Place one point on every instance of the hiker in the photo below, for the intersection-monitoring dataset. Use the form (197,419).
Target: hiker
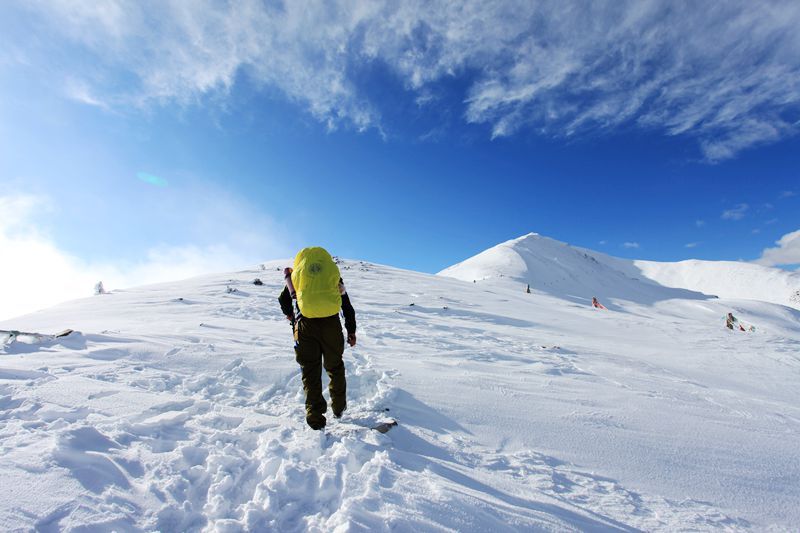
(731,322)
(311,300)
(528,288)
(596,304)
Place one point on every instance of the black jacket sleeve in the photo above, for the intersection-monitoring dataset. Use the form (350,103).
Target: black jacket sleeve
(285,299)
(349,314)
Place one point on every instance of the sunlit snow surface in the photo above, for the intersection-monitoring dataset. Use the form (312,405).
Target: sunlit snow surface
(179,407)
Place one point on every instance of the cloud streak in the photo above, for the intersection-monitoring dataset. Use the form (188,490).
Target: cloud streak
(735,213)
(724,74)
(787,251)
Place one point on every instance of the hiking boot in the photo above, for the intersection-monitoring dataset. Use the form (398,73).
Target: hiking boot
(338,414)
(316,423)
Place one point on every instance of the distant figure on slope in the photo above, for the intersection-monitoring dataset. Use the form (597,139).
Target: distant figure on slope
(528,288)
(596,304)
(731,322)
(311,300)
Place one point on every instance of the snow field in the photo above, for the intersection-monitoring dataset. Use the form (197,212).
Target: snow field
(178,407)
(176,445)
(558,269)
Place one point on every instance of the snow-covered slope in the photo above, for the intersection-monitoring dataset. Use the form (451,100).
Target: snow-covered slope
(555,268)
(178,407)
(577,273)
(726,279)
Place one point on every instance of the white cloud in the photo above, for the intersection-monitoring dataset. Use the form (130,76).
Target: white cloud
(787,251)
(16,210)
(630,245)
(33,272)
(692,244)
(787,194)
(36,273)
(80,91)
(725,74)
(699,223)
(735,213)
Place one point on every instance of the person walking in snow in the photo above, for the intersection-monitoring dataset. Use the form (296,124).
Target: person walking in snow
(731,322)
(311,300)
(596,304)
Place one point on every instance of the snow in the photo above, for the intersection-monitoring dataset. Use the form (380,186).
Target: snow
(566,271)
(178,407)
(727,279)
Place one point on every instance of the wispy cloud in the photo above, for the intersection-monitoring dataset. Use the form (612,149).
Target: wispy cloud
(699,223)
(736,213)
(31,255)
(630,245)
(82,92)
(787,251)
(727,75)
(787,194)
(692,245)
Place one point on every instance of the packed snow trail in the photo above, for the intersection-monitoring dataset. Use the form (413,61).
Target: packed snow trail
(179,407)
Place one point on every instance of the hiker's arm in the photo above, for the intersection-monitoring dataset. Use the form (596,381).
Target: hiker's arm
(285,300)
(349,315)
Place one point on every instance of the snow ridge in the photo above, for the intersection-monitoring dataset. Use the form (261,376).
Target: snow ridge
(565,271)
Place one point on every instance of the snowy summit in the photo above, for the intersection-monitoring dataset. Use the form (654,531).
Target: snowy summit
(556,268)
(179,407)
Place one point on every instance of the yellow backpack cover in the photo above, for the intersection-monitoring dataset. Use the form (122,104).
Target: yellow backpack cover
(316,283)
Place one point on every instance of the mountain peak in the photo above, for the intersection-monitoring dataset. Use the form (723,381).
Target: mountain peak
(565,271)
(558,269)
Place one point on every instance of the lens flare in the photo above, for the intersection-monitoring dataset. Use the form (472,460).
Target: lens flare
(152,180)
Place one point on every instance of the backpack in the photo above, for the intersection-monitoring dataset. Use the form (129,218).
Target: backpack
(316,282)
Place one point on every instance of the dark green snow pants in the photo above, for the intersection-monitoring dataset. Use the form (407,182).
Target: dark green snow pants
(319,342)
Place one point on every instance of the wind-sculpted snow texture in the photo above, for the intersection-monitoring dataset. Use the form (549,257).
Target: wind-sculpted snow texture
(178,407)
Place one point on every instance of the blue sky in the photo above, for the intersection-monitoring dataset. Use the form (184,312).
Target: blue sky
(143,141)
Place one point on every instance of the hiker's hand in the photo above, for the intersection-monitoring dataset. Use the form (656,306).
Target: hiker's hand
(290,318)
(351,339)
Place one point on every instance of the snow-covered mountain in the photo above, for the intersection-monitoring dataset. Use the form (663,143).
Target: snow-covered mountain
(178,407)
(559,269)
